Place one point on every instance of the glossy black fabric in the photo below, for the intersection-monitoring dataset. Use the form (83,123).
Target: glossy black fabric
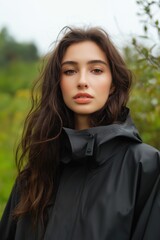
(109,189)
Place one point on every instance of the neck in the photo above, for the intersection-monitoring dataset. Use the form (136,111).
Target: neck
(81,122)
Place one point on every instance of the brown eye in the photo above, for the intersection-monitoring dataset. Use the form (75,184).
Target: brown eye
(97,71)
(69,72)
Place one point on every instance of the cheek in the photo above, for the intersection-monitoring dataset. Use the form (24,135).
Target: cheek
(104,87)
(65,87)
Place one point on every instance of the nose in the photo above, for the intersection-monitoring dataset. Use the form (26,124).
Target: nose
(82,81)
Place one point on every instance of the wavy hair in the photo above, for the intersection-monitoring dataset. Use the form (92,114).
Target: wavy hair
(37,155)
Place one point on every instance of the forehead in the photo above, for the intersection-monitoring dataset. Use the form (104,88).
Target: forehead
(87,50)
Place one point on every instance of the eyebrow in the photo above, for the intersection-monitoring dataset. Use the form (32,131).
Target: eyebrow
(89,62)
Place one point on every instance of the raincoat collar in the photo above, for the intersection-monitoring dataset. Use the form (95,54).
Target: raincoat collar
(98,143)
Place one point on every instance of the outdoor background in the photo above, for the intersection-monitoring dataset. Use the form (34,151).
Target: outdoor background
(26,33)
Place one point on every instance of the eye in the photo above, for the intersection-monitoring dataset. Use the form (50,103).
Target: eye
(69,72)
(97,71)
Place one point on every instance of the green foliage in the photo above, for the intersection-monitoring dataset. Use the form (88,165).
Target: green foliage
(145,63)
(11,50)
(149,12)
(14,106)
(18,69)
(17,75)
(145,97)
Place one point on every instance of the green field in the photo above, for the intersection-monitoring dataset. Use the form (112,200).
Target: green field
(15,83)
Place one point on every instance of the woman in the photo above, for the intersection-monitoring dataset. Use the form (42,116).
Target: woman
(84,172)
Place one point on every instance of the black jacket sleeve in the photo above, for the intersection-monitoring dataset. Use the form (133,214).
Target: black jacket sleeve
(147,209)
(7,223)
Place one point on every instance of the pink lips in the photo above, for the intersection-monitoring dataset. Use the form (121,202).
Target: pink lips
(83,98)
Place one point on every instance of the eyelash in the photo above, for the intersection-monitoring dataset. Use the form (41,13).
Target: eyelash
(97,71)
(70,72)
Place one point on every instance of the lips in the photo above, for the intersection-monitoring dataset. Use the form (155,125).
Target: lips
(82,98)
(82,95)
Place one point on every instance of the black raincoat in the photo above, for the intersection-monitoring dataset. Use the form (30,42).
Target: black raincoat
(109,189)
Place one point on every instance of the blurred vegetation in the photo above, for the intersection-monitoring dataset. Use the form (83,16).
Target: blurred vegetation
(18,69)
(19,63)
(144,60)
(148,13)
(11,50)
(145,97)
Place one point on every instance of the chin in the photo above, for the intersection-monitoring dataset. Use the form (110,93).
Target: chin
(87,112)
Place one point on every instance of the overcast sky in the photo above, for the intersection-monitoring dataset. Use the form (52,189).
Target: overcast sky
(41,20)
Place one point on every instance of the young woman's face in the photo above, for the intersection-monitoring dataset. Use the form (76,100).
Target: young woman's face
(85,78)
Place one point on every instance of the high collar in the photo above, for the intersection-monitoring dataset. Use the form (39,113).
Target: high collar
(98,143)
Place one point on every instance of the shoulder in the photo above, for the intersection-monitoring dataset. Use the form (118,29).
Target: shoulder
(13,198)
(145,155)
(8,223)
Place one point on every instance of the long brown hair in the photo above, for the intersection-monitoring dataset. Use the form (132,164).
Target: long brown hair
(38,153)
